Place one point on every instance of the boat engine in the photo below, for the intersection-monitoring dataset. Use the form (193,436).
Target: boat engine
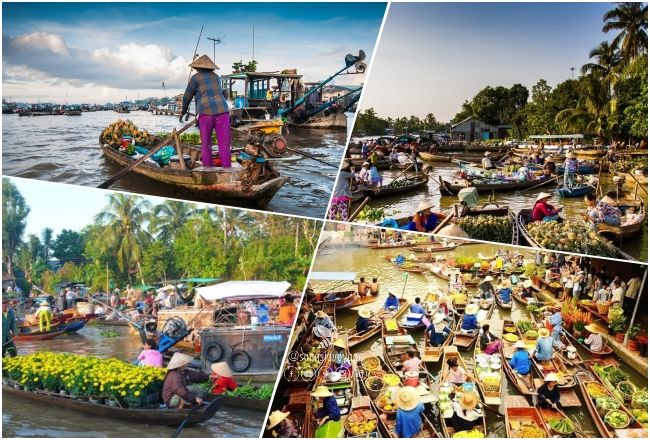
(173,331)
(275,144)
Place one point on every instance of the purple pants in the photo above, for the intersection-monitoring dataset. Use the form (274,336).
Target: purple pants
(221,125)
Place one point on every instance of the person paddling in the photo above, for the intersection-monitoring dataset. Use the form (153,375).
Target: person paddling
(211,109)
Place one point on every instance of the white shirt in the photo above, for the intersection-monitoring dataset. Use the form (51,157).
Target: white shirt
(469,415)
(617,294)
(633,287)
(486,162)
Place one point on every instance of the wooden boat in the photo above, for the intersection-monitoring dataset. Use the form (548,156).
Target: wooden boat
(507,350)
(405,185)
(518,414)
(376,323)
(394,245)
(434,247)
(442,271)
(448,430)
(579,190)
(347,299)
(208,184)
(605,430)
(301,412)
(295,376)
(491,394)
(432,353)
(606,352)
(555,365)
(448,187)
(625,203)
(501,304)
(246,403)
(410,267)
(524,217)
(465,341)
(549,414)
(155,416)
(38,335)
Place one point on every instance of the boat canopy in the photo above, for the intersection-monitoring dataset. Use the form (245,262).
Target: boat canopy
(243,290)
(332,276)
(557,136)
(199,280)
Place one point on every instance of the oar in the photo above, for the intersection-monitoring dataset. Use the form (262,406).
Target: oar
(637,182)
(124,171)
(313,157)
(360,208)
(546,182)
(443,222)
(187,419)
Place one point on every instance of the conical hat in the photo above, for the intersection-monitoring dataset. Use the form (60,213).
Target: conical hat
(277,417)
(321,391)
(179,360)
(543,195)
(365,313)
(468,400)
(204,62)
(453,231)
(423,206)
(222,369)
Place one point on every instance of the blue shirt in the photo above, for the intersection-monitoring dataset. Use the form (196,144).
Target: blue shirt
(362,324)
(505,295)
(544,349)
(520,362)
(556,321)
(436,339)
(391,301)
(329,409)
(469,322)
(409,423)
(417,308)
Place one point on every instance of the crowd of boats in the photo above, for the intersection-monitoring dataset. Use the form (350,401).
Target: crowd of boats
(334,387)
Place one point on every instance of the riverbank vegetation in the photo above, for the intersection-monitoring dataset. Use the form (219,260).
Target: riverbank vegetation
(134,241)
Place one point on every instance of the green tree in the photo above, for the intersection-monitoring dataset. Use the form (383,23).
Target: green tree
(168,217)
(14,222)
(630,19)
(607,57)
(369,124)
(46,239)
(157,261)
(631,91)
(68,246)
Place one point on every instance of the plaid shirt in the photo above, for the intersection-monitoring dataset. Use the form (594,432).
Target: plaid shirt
(206,87)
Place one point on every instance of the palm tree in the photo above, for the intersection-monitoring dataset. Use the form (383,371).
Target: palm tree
(607,57)
(169,217)
(631,19)
(592,114)
(124,220)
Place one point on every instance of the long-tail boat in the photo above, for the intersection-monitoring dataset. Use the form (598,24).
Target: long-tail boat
(376,322)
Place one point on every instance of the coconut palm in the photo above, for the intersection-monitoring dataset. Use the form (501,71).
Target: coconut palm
(125,219)
(594,110)
(169,217)
(631,20)
(607,57)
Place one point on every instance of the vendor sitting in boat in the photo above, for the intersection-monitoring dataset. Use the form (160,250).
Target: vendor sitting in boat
(549,167)
(424,220)
(408,420)
(549,393)
(329,411)
(391,303)
(544,211)
(438,331)
(489,343)
(521,364)
(323,320)
(595,340)
(280,426)
(504,292)
(545,345)
(455,374)
(342,363)
(416,307)
(175,393)
(222,379)
(470,323)
(526,290)
(600,211)
(363,321)
(486,163)
(211,110)
(287,312)
(362,286)
(412,362)
(467,411)
(486,289)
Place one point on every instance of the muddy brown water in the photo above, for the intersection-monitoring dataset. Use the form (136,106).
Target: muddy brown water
(368,262)
(65,149)
(23,418)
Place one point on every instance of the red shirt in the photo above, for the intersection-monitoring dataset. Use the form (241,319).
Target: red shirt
(542,210)
(221,384)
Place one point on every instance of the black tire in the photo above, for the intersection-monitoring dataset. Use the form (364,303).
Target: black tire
(239,361)
(213,352)
(277,360)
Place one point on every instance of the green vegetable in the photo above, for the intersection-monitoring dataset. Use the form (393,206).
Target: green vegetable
(252,392)
(563,426)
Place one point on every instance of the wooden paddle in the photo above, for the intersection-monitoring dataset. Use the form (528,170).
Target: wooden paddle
(443,223)
(187,419)
(124,171)
(359,208)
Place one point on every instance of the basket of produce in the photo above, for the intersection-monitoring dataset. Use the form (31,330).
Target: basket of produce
(376,373)
(374,385)
(510,337)
(562,426)
(385,402)
(391,380)
(361,422)
(596,390)
(509,329)
(371,363)
(391,325)
(531,334)
(641,416)
(606,404)
(474,433)
(602,307)
(524,429)
(627,390)
(640,399)
(617,419)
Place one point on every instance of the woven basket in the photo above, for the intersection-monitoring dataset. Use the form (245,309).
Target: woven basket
(626,397)
(492,390)
(372,393)
(602,308)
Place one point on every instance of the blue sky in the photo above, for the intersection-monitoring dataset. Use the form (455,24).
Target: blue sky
(432,57)
(108,50)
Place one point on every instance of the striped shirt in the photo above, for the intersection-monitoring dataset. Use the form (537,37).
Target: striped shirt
(205,86)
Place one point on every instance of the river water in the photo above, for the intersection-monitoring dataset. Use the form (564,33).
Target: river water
(406,203)
(368,262)
(22,418)
(65,149)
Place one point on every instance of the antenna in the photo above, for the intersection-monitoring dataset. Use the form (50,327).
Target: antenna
(572,69)
(215,41)
(253,43)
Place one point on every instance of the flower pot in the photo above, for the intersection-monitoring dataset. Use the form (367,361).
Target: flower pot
(632,344)
(620,336)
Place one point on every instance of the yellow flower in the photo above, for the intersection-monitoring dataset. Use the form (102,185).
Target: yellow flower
(123,393)
(136,394)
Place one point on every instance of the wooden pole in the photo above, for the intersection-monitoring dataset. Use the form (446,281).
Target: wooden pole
(358,210)
(181,159)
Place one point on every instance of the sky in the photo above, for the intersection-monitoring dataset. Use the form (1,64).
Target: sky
(108,52)
(433,57)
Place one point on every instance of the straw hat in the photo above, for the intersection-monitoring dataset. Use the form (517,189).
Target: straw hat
(542,196)
(45,304)
(468,400)
(488,278)
(471,309)
(322,391)
(487,153)
(551,377)
(276,417)
(544,333)
(339,343)
(423,206)
(528,284)
(438,318)
(204,62)
(411,374)
(570,155)
(407,398)
(222,369)
(453,231)
(365,313)
(520,344)
(592,328)
(321,314)
(179,360)
(548,159)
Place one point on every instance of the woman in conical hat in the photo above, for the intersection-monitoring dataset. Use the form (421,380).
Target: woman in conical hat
(222,379)
(176,393)
(544,211)
(211,110)
(424,219)
(280,426)
(330,409)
